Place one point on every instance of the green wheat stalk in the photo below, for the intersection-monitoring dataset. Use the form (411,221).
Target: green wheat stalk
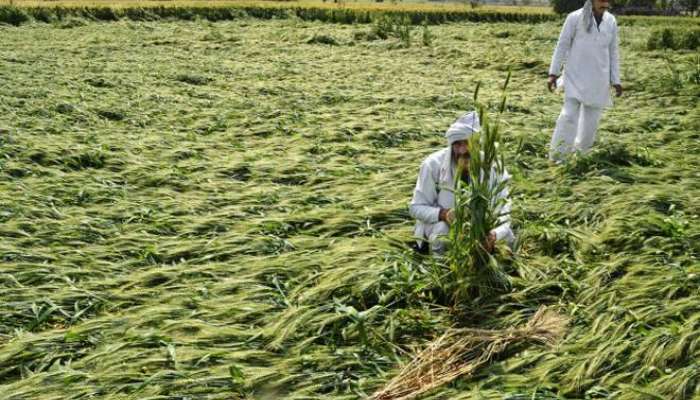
(475,273)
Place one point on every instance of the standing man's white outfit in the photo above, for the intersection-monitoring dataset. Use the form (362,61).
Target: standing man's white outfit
(433,197)
(589,45)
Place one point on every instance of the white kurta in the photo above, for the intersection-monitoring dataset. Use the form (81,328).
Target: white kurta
(433,191)
(592,59)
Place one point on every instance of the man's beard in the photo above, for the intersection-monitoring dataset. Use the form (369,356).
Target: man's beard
(463,166)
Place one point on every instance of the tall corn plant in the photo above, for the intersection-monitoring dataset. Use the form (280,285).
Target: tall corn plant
(475,272)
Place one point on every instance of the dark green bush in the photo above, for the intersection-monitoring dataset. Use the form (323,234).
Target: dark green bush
(104,14)
(323,39)
(13,15)
(689,39)
(43,15)
(193,79)
(566,6)
(670,38)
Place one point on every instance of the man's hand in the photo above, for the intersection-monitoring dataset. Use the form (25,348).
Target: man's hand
(618,90)
(490,243)
(552,82)
(447,215)
(450,216)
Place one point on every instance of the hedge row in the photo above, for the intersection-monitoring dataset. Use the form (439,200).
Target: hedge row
(19,15)
(344,15)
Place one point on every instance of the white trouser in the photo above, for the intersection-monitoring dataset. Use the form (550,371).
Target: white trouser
(575,130)
(437,237)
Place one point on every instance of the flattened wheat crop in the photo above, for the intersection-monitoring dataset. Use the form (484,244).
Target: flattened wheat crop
(205,210)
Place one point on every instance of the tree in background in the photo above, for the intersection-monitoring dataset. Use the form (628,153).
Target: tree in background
(641,7)
(691,6)
(566,6)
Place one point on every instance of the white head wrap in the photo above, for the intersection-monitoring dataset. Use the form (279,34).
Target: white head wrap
(463,128)
(588,15)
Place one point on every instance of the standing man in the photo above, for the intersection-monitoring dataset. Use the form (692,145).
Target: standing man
(589,44)
(433,197)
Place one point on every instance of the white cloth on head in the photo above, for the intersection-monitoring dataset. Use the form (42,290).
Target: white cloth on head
(463,128)
(592,59)
(434,190)
(588,15)
(575,130)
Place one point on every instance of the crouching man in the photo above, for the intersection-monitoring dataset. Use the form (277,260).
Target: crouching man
(433,198)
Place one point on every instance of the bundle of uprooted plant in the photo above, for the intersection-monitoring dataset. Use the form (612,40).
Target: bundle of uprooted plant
(479,208)
(462,351)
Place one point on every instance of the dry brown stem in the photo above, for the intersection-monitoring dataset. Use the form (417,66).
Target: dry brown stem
(462,351)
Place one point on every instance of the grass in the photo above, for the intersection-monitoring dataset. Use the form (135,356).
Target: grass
(219,210)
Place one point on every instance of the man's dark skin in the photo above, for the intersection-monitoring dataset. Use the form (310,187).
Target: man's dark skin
(461,155)
(599,7)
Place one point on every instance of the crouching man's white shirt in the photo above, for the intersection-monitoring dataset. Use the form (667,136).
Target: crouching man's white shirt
(592,59)
(434,191)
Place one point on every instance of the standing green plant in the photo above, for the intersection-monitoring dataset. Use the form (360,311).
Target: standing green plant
(388,25)
(474,271)
(403,29)
(427,35)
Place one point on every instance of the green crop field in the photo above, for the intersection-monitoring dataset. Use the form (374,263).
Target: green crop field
(218,210)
